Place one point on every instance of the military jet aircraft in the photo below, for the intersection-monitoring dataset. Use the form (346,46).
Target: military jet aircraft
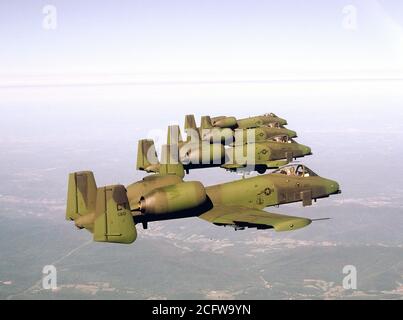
(270,154)
(208,132)
(197,154)
(112,212)
(189,154)
(245,123)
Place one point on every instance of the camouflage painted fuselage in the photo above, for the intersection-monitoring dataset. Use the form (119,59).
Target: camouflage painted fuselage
(258,121)
(270,190)
(264,133)
(111,212)
(259,134)
(266,154)
(257,193)
(251,122)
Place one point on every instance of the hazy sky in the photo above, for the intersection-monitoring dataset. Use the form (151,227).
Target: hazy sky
(129,42)
(207,40)
(79,96)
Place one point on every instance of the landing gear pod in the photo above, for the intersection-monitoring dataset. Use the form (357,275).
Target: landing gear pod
(113,218)
(174,198)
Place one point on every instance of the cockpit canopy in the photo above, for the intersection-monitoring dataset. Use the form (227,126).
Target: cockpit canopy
(296,170)
(271,114)
(274,125)
(282,139)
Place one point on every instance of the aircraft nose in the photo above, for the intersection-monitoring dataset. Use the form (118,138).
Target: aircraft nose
(333,187)
(306,150)
(292,134)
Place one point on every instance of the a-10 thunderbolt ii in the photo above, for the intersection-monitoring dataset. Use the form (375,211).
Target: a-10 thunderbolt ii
(226,135)
(112,212)
(245,123)
(195,153)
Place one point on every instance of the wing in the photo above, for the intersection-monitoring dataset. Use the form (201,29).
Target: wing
(242,217)
(232,166)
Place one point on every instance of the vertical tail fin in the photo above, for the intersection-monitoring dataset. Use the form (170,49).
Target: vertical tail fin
(174,135)
(81,195)
(191,129)
(170,163)
(206,123)
(103,211)
(113,219)
(147,158)
(190,122)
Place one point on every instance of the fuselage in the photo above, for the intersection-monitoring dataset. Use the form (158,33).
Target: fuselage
(266,151)
(245,123)
(270,190)
(259,121)
(257,192)
(258,134)
(262,153)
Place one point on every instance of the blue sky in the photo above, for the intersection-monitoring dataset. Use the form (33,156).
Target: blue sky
(202,40)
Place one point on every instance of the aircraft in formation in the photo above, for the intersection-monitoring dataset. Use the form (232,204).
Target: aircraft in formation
(269,147)
(112,212)
(246,123)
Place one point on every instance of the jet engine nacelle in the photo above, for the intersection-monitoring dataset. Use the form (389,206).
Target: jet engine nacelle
(202,153)
(224,122)
(174,198)
(218,135)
